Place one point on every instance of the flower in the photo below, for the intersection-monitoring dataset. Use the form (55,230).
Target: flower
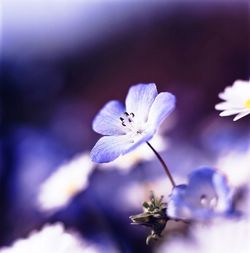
(51,238)
(228,236)
(65,183)
(205,196)
(125,128)
(141,153)
(237,100)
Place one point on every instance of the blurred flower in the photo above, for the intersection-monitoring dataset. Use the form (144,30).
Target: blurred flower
(141,153)
(236,166)
(127,128)
(228,236)
(65,183)
(51,238)
(237,100)
(205,196)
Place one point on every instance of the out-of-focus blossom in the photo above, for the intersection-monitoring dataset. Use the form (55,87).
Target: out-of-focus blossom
(128,127)
(237,100)
(141,153)
(205,196)
(228,236)
(51,239)
(236,166)
(65,183)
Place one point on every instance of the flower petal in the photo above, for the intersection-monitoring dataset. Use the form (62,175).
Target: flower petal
(139,100)
(241,115)
(223,106)
(163,105)
(108,148)
(223,192)
(177,207)
(230,112)
(200,185)
(107,121)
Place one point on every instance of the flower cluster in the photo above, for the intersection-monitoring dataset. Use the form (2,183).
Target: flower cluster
(207,195)
(133,127)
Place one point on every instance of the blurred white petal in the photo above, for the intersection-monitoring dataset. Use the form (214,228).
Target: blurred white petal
(229,236)
(51,239)
(68,180)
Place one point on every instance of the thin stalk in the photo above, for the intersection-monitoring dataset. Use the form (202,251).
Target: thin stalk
(164,165)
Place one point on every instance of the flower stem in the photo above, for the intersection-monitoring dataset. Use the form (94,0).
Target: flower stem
(164,165)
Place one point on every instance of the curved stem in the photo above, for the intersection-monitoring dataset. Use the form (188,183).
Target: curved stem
(164,165)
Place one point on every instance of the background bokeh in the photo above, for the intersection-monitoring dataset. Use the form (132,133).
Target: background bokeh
(62,60)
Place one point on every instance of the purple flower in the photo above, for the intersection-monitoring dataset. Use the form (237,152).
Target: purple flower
(126,127)
(205,196)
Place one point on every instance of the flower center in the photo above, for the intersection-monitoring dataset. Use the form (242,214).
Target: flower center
(247,104)
(128,122)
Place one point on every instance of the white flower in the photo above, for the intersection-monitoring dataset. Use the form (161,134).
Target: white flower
(141,153)
(51,239)
(65,183)
(237,100)
(227,236)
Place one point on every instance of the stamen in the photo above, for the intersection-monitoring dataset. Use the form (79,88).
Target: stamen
(127,122)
